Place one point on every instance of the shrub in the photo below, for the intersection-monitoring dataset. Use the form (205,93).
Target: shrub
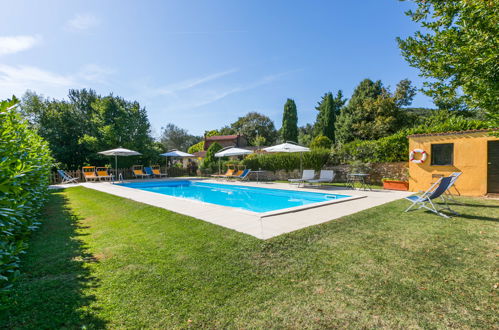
(196,147)
(24,174)
(321,142)
(210,162)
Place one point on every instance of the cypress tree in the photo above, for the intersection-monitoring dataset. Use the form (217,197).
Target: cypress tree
(329,107)
(289,131)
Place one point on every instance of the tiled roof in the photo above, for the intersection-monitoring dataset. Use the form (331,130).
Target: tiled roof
(454,133)
(201,154)
(221,137)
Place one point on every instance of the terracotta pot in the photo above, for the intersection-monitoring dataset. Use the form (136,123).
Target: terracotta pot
(395,185)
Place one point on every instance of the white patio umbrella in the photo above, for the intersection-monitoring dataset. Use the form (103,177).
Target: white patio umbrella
(119,152)
(231,151)
(289,147)
(176,153)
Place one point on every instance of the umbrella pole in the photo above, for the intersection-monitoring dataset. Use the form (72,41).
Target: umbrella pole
(301,163)
(219,168)
(115,167)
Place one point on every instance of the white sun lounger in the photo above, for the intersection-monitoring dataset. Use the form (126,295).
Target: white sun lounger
(325,176)
(307,175)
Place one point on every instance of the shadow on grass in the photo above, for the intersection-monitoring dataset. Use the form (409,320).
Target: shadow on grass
(51,292)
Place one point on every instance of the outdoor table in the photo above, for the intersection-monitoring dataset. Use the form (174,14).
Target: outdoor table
(360,178)
(258,174)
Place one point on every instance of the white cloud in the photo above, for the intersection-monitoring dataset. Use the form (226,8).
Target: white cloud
(198,97)
(15,80)
(11,45)
(190,83)
(95,73)
(82,22)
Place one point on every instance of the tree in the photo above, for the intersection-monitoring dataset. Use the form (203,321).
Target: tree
(404,93)
(210,160)
(305,135)
(259,141)
(77,129)
(329,107)
(289,130)
(174,137)
(372,112)
(458,50)
(321,142)
(255,124)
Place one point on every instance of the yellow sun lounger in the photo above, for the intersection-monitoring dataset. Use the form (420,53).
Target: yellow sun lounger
(89,173)
(230,172)
(103,174)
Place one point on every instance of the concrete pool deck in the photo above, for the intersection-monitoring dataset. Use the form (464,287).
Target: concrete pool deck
(249,222)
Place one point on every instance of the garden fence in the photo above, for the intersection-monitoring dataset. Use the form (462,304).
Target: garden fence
(125,172)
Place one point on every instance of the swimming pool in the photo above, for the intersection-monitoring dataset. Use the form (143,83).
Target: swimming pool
(253,199)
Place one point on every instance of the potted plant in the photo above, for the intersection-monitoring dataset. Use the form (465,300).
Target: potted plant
(394,184)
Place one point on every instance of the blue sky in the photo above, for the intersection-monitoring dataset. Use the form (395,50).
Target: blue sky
(202,64)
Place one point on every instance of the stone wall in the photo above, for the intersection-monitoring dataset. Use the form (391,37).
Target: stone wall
(378,171)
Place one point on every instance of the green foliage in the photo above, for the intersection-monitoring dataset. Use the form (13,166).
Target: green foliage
(305,135)
(88,123)
(395,147)
(174,137)
(329,107)
(289,130)
(210,161)
(255,124)
(196,147)
(321,142)
(373,112)
(458,50)
(315,159)
(24,173)
(259,141)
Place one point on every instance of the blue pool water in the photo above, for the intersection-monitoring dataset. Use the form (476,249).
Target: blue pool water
(242,197)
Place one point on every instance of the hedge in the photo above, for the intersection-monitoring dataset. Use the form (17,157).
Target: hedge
(395,148)
(314,159)
(24,173)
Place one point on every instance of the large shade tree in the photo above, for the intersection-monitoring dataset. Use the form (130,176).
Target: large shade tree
(373,111)
(254,125)
(458,51)
(174,137)
(77,129)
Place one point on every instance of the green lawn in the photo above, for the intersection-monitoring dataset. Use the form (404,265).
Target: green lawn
(103,261)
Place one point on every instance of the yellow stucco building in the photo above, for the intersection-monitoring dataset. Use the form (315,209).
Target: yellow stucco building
(474,153)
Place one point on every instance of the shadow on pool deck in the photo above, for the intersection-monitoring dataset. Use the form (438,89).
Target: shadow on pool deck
(50,292)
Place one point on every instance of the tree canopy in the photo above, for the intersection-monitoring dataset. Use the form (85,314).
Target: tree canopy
(255,124)
(174,137)
(458,50)
(373,111)
(88,123)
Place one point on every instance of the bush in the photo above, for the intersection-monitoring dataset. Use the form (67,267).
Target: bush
(315,159)
(321,142)
(210,163)
(24,176)
(196,147)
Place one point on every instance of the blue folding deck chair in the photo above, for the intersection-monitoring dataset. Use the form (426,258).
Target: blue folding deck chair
(66,178)
(244,176)
(448,195)
(435,191)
